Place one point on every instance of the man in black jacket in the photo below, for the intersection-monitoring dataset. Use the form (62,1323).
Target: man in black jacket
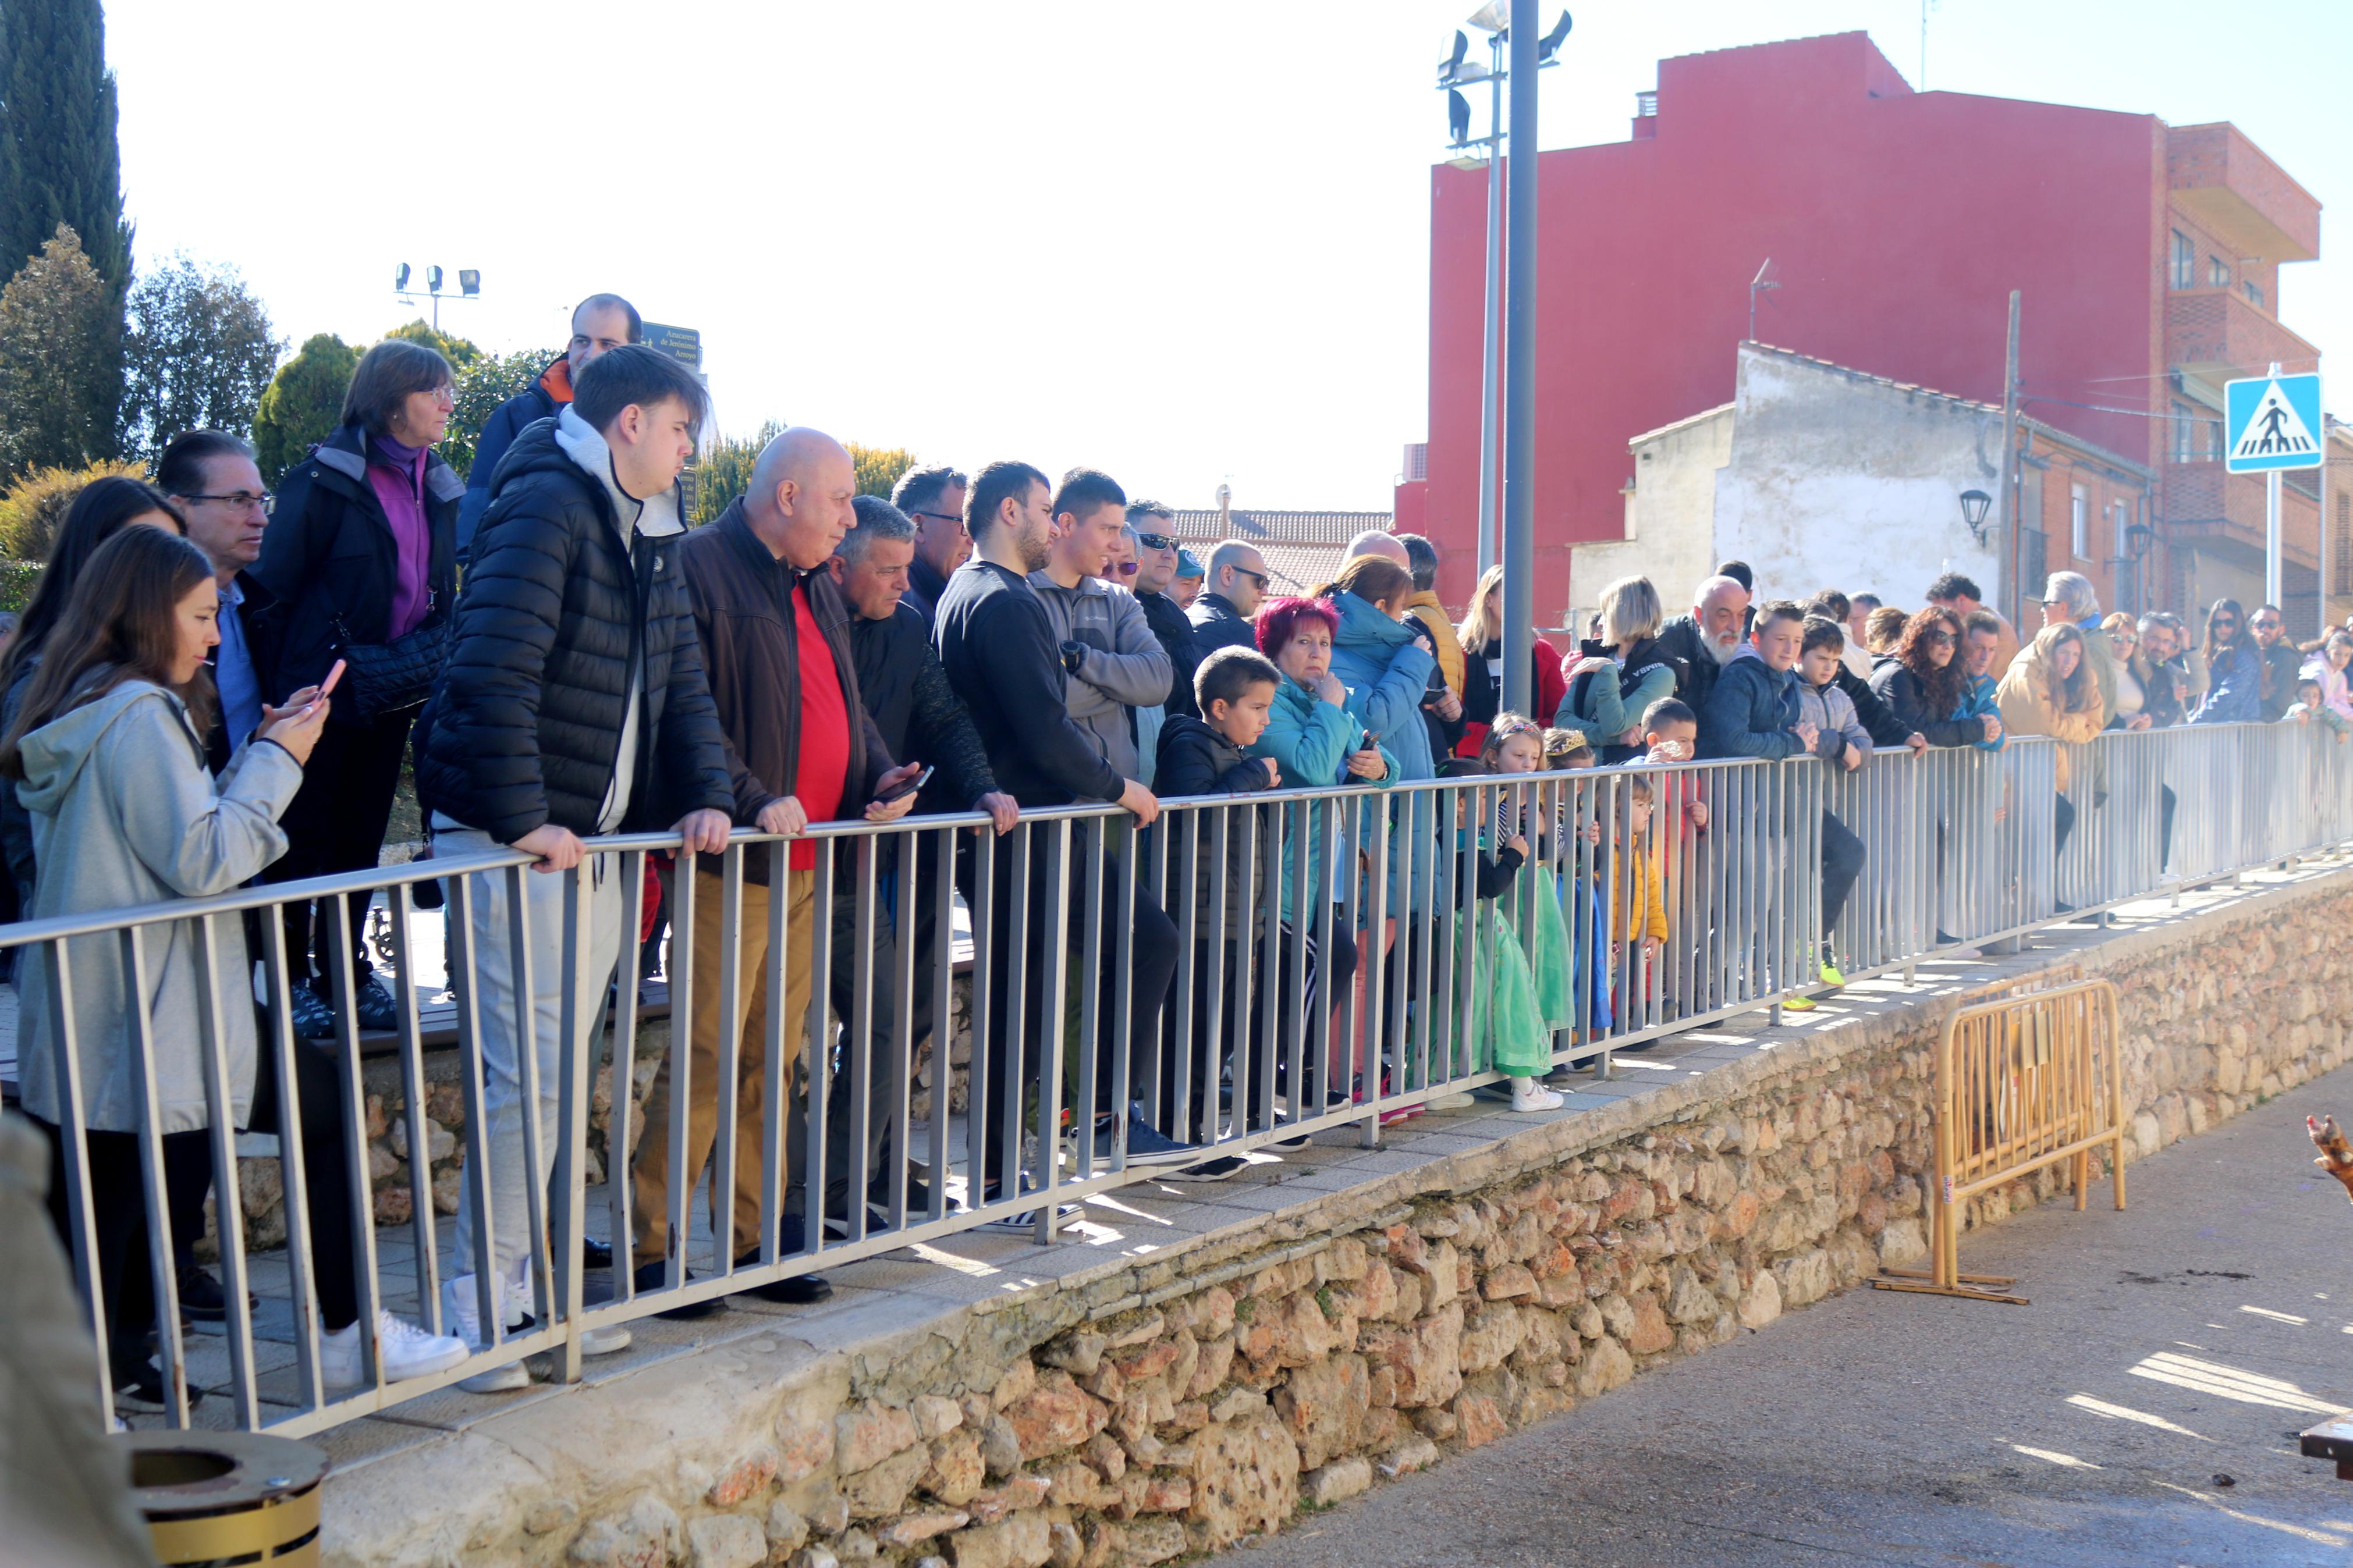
(1224,616)
(573,703)
(997,643)
(932,500)
(599,324)
(1154,528)
(2281,664)
(1701,643)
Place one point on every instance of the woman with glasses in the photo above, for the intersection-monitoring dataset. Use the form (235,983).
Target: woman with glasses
(1924,683)
(2235,669)
(361,557)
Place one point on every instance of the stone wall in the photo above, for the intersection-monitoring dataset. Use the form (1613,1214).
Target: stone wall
(1180,1401)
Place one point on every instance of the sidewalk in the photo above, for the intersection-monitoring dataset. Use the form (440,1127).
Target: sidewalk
(2184,1340)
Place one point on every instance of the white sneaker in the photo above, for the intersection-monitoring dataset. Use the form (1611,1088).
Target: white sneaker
(1527,1094)
(462,1310)
(403,1349)
(1460,1100)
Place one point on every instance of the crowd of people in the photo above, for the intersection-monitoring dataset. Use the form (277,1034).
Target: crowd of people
(218,684)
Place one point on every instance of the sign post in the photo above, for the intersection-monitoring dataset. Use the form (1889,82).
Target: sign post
(2272,422)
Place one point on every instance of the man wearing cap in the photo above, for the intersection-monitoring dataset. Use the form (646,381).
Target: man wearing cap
(1186,586)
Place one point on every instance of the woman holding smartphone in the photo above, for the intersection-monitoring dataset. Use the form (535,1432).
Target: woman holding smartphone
(107,751)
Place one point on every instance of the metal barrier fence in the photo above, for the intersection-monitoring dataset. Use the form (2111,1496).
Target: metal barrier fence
(1248,970)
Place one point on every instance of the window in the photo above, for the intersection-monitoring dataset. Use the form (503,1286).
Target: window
(2254,292)
(2213,438)
(2124,520)
(2185,257)
(2185,433)
(2079,519)
(2217,274)
(2340,545)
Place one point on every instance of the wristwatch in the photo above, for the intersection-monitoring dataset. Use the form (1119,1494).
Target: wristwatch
(1074,654)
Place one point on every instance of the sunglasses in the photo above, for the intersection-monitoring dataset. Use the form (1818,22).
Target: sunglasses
(1157,541)
(1125,568)
(1940,639)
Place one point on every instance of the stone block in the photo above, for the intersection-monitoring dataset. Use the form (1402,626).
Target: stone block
(882,1490)
(957,1471)
(1056,1417)
(1607,1365)
(785,1529)
(1079,1352)
(1020,1492)
(1761,1303)
(1337,1481)
(867,1436)
(1805,1278)
(935,1416)
(726,1541)
(1511,1280)
(802,1448)
(1413,1454)
(1424,1361)
(1024,1542)
(1479,1419)
(1901,1243)
(1489,1335)
(644,1534)
(1651,1334)
(1149,1541)
(1324,1404)
(916,1527)
(1246,1479)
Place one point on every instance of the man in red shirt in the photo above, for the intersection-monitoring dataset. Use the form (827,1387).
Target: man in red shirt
(800,748)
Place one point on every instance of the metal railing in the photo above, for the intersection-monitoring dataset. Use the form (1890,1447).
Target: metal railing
(1248,970)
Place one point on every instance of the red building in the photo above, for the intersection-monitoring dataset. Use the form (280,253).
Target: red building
(1897,224)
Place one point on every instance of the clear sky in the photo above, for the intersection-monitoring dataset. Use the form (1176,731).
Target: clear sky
(1186,244)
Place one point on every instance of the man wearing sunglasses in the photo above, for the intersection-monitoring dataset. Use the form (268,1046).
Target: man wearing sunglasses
(1152,526)
(2281,664)
(1225,614)
(932,500)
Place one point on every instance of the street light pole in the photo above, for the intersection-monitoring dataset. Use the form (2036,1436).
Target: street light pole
(1520,363)
(1493,311)
(2271,529)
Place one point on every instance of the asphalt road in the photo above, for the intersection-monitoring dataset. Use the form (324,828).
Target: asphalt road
(2183,1340)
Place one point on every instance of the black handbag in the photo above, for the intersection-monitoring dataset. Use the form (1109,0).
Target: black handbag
(393,677)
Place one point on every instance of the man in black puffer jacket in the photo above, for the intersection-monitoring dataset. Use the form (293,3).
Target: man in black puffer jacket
(573,703)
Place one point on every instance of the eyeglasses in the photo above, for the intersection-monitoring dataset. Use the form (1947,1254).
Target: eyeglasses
(1157,541)
(1261,578)
(239,500)
(1125,568)
(2226,621)
(938,517)
(2265,625)
(1939,640)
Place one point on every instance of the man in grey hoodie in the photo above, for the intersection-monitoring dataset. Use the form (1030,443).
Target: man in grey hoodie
(1111,658)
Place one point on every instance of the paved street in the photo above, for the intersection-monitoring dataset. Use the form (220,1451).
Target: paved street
(2181,1342)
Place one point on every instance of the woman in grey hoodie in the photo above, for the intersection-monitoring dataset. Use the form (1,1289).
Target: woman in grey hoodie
(108,752)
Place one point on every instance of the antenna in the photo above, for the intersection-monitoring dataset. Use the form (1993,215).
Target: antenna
(1756,285)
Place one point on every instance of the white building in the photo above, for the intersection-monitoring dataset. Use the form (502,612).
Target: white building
(1820,477)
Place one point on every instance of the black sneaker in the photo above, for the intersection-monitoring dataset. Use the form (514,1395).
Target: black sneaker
(800,1290)
(594,1254)
(314,1015)
(1216,1170)
(376,1006)
(140,1389)
(649,1276)
(201,1296)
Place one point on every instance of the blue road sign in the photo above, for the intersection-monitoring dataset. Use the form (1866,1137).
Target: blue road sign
(2272,422)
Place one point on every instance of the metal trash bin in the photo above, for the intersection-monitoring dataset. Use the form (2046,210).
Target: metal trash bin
(237,1497)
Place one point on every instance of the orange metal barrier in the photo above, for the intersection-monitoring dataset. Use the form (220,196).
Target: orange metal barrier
(2023,1081)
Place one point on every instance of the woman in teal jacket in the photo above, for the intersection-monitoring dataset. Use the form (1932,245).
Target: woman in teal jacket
(1311,733)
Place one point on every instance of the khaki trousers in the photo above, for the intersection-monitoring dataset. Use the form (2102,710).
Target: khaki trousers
(650,1172)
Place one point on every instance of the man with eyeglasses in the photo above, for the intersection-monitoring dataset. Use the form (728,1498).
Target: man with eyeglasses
(2071,597)
(1225,614)
(2282,663)
(214,478)
(1153,527)
(933,498)
(600,324)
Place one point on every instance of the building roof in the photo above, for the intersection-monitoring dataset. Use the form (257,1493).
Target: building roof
(1260,527)
(2051,432)
(1303,549)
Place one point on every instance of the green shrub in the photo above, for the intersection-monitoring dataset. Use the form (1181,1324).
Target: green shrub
(18,579)
(34,508)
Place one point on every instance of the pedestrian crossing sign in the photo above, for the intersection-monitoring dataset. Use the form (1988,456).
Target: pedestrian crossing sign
(2272,422)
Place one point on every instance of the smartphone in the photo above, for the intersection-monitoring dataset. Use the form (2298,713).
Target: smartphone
(333,675)
(905,787)
(1372,739)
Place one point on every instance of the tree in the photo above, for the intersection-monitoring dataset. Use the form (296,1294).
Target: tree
(34,508)
(197,353)
(59,162)
(304,404)
(878,468)
(724,472)
(60,362)
(484,382)
(458,350)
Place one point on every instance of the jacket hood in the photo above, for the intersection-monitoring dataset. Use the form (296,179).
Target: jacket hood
(556,380)
(1747,650)
(655,517)
(1363,623)
(345,453)
(1194,731)
(55,754)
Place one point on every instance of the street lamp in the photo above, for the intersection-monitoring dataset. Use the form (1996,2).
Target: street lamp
(1975,504)
(1455,71)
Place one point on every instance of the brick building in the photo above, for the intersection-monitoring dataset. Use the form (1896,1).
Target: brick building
(2149,258)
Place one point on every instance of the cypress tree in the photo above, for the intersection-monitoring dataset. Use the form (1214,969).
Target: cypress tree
(60,162)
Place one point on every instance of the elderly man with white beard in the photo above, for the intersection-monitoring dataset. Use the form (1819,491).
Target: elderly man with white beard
(1705,640)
